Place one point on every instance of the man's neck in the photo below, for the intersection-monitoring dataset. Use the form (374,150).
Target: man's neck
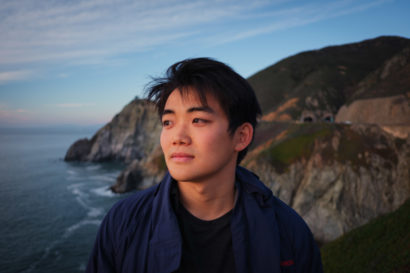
(208,200)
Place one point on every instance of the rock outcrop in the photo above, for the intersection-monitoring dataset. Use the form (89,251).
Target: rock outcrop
(383,111)
(141,174)
(131,135)
(337,177)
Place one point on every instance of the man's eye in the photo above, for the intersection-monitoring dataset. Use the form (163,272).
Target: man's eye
(166,123)
(199,120)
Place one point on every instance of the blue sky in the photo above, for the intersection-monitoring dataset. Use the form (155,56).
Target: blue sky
(81,62)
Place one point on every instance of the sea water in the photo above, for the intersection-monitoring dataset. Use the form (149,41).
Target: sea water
(50,210)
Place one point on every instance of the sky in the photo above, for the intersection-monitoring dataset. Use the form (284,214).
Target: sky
(80,62)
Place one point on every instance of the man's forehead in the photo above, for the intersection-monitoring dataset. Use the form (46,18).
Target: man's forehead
(192,101)
(190,96)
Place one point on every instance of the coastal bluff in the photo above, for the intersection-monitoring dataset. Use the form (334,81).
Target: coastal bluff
(131,135)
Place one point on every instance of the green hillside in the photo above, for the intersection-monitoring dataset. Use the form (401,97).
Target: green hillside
(328,77)
(381,246)
(299,141)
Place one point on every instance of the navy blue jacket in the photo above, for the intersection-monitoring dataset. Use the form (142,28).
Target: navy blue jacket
(141,233)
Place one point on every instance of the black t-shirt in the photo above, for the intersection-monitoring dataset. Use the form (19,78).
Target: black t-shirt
(207,245)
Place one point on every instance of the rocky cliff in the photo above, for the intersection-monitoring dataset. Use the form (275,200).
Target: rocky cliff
(336,176)
(131,135)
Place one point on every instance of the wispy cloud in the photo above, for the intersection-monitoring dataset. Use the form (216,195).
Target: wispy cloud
(295,17)
(74,105)
(91,31)
(15,75)
(9,116)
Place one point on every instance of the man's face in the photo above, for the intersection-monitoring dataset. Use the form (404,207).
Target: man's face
(195,139)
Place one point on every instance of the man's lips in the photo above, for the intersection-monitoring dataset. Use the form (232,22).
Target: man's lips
(181,157)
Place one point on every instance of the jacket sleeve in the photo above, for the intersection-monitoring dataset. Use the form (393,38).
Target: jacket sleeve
(102,256)
(298,250)
(306,253)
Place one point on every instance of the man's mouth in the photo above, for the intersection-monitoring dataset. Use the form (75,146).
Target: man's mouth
(181,157)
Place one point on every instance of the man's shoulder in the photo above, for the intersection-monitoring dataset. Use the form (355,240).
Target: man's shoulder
(287,217)
(289,221)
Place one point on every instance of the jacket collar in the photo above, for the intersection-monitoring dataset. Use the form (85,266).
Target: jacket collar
(255,234)
(252,185)
(165,248)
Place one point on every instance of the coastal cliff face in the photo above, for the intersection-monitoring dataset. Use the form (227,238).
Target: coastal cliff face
(141,174)
(337,177)
(131,135)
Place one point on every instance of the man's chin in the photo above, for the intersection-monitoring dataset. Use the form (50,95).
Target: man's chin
(184,176)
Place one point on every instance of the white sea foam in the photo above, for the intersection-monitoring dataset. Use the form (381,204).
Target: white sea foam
(72,172)
(95,212)
(82,199)
(81,196)
(74,178)
(70,230)
(73,175)
(103,191)
(93,167)
(75,187)
(103,178)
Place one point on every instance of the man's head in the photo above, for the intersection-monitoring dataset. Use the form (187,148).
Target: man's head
(207,77)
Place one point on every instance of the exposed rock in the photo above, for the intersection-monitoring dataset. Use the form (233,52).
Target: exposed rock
(383,111)
(79,150)
(131,135)
(399,131)
(141,174)
(348,176)
(383,97)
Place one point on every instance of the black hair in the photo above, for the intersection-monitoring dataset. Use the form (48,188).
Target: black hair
(205,75)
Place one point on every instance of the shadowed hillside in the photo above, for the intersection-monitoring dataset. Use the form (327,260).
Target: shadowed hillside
(381,246)
(323,80)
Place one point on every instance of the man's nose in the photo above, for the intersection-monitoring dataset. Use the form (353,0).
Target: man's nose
(182,135)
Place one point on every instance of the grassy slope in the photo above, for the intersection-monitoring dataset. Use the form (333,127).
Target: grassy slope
(381,246)
(301,139)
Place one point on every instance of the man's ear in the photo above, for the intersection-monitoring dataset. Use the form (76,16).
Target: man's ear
(243,136)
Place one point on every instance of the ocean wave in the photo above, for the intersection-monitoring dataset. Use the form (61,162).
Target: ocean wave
(72,172)
(93,167)
(95,212)
(103,191)
(70,230)
(103,178)
(83,199)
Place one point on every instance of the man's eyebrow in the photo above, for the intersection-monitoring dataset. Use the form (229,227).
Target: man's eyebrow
(201,109)
(167,112)
(206,109)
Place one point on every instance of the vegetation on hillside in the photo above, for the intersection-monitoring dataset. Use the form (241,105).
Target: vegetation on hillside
(381,246)
(333,141)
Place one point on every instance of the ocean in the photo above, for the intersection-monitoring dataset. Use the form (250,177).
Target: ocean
(50,210)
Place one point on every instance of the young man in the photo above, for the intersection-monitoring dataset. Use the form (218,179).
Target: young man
(207,214)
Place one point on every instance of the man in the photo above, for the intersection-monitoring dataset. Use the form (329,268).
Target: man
(207,214)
